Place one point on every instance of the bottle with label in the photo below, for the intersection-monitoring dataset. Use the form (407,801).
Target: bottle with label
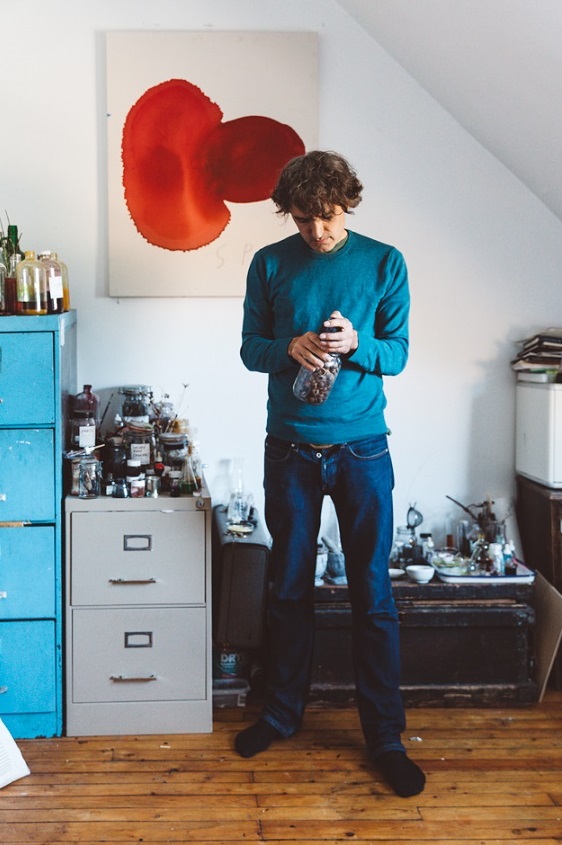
(31,286)
(65,283)
(55,300)
(82,430)
(314,387)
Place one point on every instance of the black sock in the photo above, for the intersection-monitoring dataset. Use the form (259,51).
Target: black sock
(403,775)
(256,738)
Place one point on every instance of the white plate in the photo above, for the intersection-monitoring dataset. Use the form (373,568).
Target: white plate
(395,573)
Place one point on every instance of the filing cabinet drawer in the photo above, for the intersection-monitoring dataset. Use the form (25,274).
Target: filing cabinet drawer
(27,391)
(137,558)
(27,667)
(141,654)
(27,572)
(27,475)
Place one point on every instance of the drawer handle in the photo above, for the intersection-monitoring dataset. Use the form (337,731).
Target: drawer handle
(132,580)
(123,679)
(3,690)
(137,542)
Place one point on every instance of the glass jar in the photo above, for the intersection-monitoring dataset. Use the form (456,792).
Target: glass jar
(139,443)
(82,430)
(174,449)
(314,387)
(89,478)
(403,550)
(136,403)
(31,286)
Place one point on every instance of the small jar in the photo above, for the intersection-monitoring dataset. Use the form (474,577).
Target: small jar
(135,479)
(315,387)
(89,478)
(120,489)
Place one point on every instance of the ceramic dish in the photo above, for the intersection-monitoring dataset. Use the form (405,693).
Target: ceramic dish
(396,573)
(420,573)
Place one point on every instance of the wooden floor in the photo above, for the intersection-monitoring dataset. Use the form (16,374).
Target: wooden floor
(494,777)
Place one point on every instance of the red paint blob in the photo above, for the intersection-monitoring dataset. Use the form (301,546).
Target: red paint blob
(180,164)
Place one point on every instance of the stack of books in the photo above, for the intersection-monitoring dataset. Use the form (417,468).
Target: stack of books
(541,353)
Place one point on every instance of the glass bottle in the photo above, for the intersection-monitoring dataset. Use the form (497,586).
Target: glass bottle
(89,401)
(238,505)
(3,300)
(315,387)
(82,430)
(12,257)
(139,443)
(55,299)
(31,286)
(65,283)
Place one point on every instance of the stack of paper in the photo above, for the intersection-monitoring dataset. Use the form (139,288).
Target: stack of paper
(12,765)
(540,353)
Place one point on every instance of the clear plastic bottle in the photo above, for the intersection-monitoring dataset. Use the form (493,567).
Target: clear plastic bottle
(31,286)
(55,302)
(314,387)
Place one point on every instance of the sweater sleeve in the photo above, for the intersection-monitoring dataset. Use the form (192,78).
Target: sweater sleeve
(386,352)
(261,351)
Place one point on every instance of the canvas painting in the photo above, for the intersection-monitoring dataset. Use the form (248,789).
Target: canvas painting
(199,125)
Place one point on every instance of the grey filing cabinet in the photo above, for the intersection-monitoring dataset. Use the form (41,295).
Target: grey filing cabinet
(37,376)
(138,615)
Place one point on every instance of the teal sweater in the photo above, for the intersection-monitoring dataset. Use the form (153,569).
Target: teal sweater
(291,290)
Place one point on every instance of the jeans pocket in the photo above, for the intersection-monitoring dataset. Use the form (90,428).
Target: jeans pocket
(276,450)
(370,449)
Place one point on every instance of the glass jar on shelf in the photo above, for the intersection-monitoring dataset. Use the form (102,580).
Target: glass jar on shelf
(139,443)
(136,403)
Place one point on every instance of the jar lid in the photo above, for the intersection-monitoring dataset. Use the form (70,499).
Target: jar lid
(135,389)
(132,462)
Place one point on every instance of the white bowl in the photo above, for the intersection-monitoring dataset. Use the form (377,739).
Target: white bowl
(395,573)
(420,573)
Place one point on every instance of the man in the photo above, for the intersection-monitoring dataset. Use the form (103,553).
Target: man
(329,276)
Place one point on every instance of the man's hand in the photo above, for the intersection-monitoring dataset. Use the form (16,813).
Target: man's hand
(311,350)
(343,341)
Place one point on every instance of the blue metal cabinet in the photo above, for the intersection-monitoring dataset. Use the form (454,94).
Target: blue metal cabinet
(37,380)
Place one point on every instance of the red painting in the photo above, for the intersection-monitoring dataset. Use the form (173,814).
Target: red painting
(182,163)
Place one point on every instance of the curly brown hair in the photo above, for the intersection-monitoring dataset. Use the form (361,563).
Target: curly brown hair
(315,183)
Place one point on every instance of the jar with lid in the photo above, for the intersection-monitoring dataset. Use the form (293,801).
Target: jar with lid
(135,479)
(31,286)
(136,403)
(82,430)
(403,550)
(174,449)
(314,387)
(139,443)
(89,478)
(55,298)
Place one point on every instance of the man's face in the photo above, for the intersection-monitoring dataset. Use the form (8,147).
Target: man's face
(321,233)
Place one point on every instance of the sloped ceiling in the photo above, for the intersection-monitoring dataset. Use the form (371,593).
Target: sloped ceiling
(495,65)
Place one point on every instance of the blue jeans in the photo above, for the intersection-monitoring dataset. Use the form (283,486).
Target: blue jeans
(359,478)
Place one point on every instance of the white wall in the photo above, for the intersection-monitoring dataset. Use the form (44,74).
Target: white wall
(484,255)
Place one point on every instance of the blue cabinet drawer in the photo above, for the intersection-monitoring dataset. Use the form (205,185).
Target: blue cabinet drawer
(27,394)
(27,572)
(27,667)
(27,475)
